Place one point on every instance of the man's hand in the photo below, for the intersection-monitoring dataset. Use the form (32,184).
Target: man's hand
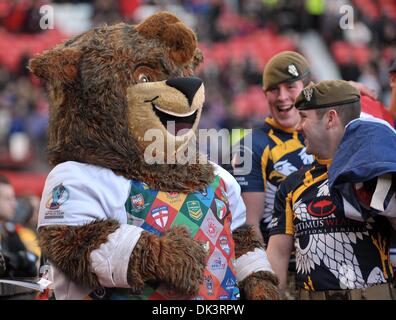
(364,90)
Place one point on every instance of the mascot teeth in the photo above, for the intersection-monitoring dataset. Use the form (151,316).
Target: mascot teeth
(180,115)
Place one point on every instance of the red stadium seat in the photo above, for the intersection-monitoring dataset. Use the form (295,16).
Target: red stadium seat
(341,52)
(10,55)
(362,54)
(26,183)
(251,104)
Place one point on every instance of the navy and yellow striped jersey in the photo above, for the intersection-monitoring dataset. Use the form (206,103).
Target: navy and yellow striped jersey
(332,251)
(276,153)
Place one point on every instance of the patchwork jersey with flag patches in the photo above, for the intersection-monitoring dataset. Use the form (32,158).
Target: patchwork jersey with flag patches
(77,193)
(276,153)
(332,251)
(206,215)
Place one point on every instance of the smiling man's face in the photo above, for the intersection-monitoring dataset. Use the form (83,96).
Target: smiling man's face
(281,103)
(313,129)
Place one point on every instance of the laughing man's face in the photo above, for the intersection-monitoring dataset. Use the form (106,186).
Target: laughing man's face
(281,103)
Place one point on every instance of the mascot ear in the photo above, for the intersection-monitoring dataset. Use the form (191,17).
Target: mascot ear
(59,64)
(173,33)
(198,58)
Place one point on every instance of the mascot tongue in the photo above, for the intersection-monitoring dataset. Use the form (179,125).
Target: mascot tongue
(182,127)
(175,124)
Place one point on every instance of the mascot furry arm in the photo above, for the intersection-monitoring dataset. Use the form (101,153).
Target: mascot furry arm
(98,224)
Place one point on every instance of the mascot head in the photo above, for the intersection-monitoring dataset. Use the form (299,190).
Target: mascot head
(115,90)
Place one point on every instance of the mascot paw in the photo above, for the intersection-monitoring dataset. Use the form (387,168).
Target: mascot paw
(261,285)
(175,260)
(182,261)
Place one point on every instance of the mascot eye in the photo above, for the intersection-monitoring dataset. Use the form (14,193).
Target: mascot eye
(143,78)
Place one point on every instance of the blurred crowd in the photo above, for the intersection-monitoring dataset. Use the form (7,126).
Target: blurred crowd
(237,38)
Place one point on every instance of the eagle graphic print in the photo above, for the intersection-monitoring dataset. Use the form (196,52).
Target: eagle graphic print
(332,252)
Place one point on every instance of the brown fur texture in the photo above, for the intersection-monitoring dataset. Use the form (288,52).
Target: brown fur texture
(175,260)
(173,33)
(88,77)
(69,248)
(246,240)
(260,285)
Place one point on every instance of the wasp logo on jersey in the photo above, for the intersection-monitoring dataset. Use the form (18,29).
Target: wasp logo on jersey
(321,207)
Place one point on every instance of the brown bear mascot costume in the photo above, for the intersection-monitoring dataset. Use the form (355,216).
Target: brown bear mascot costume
(115,222)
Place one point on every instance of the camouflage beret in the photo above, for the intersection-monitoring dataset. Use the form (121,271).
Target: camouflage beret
(329,93)
(287,66)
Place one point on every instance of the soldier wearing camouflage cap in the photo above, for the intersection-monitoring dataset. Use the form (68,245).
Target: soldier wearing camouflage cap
(327,94)
(277,148)
(284,76)
(337,257)
(288,66)
(336,97)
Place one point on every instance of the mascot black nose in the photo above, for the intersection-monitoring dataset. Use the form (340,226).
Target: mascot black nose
(188,86)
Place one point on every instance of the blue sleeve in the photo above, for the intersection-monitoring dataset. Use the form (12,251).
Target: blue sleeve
(247,162)
(282,221)
(283,216)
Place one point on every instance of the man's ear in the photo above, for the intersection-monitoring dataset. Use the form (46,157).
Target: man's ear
(58,64)
(333,119)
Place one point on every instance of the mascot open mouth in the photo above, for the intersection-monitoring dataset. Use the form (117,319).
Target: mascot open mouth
(175,122)
(165,111)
